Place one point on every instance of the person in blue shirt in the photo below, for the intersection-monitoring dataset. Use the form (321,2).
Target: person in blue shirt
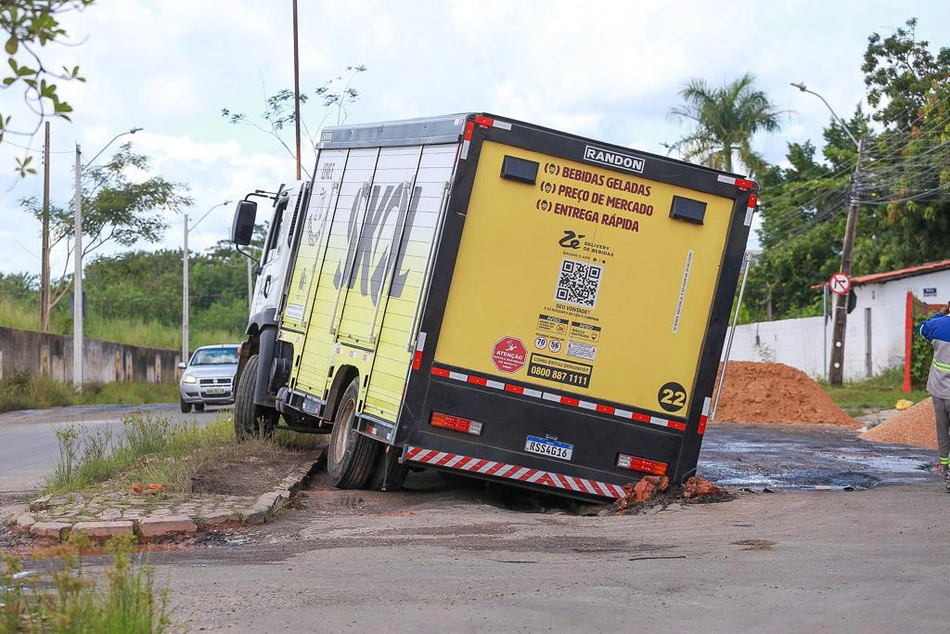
(936,330)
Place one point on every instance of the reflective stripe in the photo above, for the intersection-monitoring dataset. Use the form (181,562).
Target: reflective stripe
(943,367)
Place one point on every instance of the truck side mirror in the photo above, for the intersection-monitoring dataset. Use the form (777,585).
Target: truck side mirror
(242,229)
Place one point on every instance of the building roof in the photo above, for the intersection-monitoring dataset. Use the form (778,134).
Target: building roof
(879,278)
(876,278)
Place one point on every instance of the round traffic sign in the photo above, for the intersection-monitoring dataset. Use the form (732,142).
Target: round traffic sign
(839,283)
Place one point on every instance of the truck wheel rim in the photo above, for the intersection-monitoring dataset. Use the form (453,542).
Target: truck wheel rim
(341,439)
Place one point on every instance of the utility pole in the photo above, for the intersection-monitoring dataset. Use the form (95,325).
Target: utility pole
(77,279)
(297,89)
(840,327)
(44,266)
(184,297)
(839,330)
(250,284)
(77,265)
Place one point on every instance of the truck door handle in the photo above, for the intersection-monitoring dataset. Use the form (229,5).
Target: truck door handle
(266,285)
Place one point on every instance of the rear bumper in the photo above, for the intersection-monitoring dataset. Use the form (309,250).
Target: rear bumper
(525,476)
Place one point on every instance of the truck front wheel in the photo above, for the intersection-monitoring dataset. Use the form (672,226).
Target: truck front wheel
(251,420)
(351,455)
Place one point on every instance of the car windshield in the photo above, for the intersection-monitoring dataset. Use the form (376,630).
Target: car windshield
(215,356)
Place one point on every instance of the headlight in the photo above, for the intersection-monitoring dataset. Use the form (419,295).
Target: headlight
(188,379)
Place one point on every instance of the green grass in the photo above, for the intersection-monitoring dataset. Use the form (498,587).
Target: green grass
(146,449)
(25,391)
(65,598)
(877,393)
(24,315)
(149,449)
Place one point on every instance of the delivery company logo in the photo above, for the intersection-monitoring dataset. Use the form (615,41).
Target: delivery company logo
(614,159)
(509,354)
(571,240)
(376,233)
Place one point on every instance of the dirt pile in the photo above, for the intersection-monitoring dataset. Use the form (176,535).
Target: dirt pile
(915,426)
(776,393)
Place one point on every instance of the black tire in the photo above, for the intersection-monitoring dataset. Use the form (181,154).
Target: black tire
(250,420)
(387,474)
(199,407)
(185,407)
(350,455)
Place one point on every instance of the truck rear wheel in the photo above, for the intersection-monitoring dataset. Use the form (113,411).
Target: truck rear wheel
(351,455)
(387,474)
(251,420)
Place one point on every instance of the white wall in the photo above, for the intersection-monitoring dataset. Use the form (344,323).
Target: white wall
(800,343)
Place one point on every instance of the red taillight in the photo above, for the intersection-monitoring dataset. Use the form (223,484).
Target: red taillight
(641,464)
(455,423)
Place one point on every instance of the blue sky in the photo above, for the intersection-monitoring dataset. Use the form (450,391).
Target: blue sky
(604,69)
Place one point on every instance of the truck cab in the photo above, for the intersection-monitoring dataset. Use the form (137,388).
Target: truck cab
(257,407)
(275,255)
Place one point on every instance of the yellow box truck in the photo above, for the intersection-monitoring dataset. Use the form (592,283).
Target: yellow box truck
(480,295)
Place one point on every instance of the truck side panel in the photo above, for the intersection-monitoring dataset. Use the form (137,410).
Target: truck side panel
(395,346)
(370,250)
(312,370)
(310,253)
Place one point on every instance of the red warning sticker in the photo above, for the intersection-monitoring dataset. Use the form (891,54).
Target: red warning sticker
(509,354)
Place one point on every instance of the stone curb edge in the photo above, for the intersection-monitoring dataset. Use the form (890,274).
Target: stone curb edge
(269,504)
(265,508)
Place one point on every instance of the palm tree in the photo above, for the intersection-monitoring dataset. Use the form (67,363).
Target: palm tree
(724,121)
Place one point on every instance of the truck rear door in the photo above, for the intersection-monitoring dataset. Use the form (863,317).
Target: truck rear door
(585,310)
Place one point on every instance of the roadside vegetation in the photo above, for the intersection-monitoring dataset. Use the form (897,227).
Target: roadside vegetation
(150,450)
(26,391)
(874,394)
(64,597)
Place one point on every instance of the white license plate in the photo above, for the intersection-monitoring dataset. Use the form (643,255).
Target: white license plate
(546,447)
(216,390)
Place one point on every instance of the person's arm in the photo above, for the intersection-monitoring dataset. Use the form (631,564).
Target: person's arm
(937,327)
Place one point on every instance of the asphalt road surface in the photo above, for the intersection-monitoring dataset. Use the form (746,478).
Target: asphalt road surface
(28,445)
(862,561)
(439,557)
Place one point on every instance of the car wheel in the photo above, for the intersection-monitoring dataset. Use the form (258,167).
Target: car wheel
(199,407)
(185,407)
(387,474)
(251,420)
(351,455)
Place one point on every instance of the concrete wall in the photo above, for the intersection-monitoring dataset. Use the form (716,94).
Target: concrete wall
(103,361)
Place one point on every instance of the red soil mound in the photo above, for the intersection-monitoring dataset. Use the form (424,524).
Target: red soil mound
(916,426)
(776,393)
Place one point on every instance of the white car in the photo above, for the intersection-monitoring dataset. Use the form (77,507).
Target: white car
(208,378)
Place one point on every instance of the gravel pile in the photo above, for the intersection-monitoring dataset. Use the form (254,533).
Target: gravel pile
(776,393)
(915,426)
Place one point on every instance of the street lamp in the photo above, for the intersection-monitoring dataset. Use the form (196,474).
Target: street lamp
(836,369)
(77,268)
(184,282)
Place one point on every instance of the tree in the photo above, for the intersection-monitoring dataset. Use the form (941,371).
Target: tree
(900,72)
(724,121)
(904,213)
(336,96)
(28,26)
(115,209)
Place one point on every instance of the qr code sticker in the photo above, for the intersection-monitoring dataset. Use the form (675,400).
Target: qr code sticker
(578,283)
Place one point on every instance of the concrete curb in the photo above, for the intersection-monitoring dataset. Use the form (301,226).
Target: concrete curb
(160,525)
(269,504)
